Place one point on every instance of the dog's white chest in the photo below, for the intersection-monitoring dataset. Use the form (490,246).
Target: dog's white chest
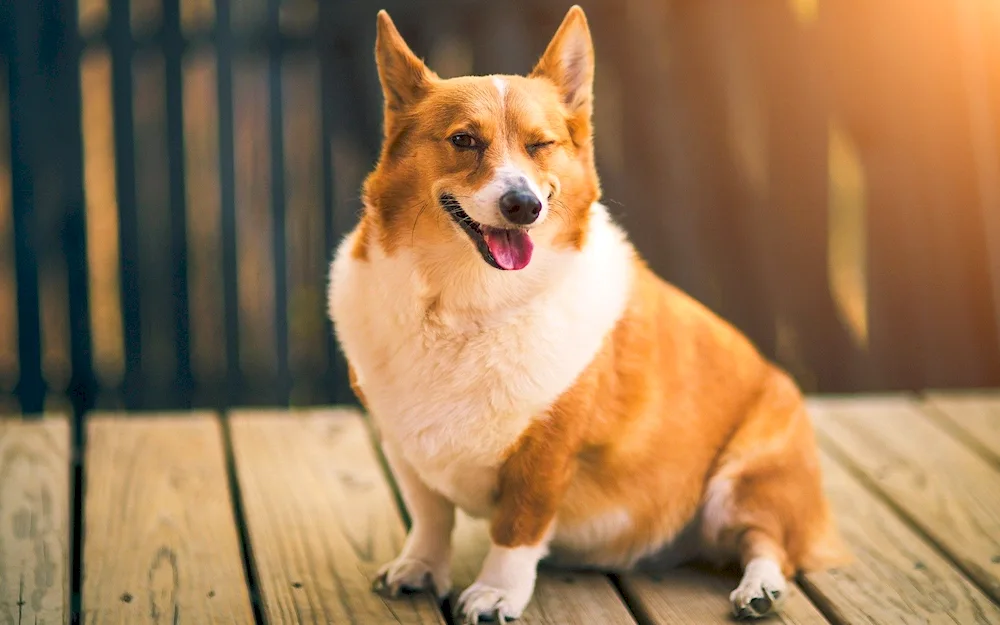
(452,395)
(455,391)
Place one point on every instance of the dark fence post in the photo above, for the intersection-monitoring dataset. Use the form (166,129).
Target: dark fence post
(283,382)
(47,185)
(227,186)
(174,91)
(31,384)
(120,39)
(335,114)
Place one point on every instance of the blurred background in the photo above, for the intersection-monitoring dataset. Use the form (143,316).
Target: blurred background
(174,175)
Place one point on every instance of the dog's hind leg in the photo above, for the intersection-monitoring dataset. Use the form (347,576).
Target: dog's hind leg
(764,504)
(763,587)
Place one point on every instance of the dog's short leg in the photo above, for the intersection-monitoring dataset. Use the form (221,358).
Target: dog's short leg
(763,587)
(532,483)
(504,585)
(425,560)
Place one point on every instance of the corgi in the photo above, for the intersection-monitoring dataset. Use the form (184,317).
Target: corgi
(521,363)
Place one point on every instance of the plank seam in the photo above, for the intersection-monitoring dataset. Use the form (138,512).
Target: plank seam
(633,604)
(842,458)
(826,608)
(383,464)
(77,492)
(937,415)
(236,502)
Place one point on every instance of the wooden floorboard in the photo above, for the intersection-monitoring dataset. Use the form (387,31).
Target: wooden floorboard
(694,596)
(34,521)
(895,576)
(950,493)
(560,596)
(161,543)
(974,418)
(915,489)
(321,518)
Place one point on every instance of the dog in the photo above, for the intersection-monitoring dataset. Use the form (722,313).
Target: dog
(522,363)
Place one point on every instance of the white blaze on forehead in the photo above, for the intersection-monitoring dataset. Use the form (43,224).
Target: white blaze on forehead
(501,86)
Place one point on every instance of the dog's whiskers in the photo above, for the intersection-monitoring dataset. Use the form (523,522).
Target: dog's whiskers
(413,230)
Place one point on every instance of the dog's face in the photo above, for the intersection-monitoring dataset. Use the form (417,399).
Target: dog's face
(486,167)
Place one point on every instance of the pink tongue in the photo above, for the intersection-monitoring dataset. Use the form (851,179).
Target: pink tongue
(511,248)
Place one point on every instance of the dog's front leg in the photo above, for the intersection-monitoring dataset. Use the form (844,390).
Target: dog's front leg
(425,560)
(532,482)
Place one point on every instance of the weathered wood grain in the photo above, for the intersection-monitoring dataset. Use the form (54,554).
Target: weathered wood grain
(321,518)
(896,576)
(160,543)
(950,493)
(34,521)
(974,418)
(697,596)
(560,596)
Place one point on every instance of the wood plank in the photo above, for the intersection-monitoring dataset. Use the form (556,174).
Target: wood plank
(321,518)
(160,543)
(34,521)
(698,596)
(974,418)
(896,576)
(943,488)
(560,596)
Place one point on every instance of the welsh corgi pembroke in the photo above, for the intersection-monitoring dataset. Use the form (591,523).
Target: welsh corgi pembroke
(521,362)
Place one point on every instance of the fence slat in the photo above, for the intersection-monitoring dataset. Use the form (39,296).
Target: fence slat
(31,384)
(283,383)
(308,248)
(204,221)
(173,59)
(252,150)
(227,187)
(337,219)
(82,388)
(47,193)
(120,43)
(8,296)
(335,367)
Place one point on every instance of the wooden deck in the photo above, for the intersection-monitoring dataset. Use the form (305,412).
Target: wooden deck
(283,517)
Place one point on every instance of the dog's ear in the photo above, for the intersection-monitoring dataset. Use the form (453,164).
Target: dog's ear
(568,61)
(404,77)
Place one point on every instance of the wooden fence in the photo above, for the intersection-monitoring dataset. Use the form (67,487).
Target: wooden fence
(174,175)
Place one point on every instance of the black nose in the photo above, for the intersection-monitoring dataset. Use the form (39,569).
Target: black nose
(520,207)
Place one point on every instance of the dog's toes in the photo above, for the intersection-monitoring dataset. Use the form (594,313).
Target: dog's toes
(379,586)
(760,593)
(484,604)
(403,576)
(761,605)
(755,602)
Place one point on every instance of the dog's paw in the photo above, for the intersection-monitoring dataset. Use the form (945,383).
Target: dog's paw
(407,575)
(761,591)
(481,603)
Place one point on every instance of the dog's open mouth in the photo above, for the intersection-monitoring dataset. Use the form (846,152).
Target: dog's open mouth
(502,248)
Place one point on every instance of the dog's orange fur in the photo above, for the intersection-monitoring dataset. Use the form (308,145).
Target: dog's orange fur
(676,397)
(621,438)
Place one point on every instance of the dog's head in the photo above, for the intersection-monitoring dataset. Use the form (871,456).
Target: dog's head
(485,169)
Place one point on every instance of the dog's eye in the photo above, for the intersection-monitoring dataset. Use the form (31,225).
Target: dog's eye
(463,141)
(533,148)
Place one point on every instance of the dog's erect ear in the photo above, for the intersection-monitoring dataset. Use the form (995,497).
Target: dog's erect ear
(404,77)
(568,61)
